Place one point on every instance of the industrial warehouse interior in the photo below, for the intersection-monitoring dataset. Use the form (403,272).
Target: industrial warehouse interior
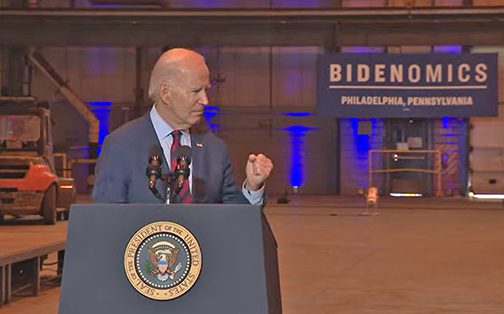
(383,119)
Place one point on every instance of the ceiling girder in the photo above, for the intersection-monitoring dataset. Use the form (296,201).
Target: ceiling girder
(342,27)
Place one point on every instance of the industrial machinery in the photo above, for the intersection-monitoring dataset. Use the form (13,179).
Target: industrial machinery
(28,180)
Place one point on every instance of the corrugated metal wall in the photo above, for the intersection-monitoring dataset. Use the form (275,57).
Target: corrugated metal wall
(487,142)
(260,93)
(256,87)
(354,151)
(449,137)
(2,70)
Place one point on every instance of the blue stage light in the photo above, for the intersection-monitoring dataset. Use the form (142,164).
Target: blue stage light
(209,113)
(297,134)
(448,49)
(101,110)
(297,114)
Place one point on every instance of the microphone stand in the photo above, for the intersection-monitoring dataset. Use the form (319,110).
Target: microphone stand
(169,180)
(172,179)
(173,186)
(154,173)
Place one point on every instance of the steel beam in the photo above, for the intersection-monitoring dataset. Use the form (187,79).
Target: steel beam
(365,27)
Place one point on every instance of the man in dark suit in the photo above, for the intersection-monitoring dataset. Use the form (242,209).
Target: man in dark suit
(178,86)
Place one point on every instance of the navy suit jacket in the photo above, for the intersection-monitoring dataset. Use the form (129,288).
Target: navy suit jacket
(120,175)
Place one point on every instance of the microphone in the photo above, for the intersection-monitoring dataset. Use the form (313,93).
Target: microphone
(182,172)
(153,170)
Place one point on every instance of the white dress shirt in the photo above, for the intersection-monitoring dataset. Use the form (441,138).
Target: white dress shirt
(163,132)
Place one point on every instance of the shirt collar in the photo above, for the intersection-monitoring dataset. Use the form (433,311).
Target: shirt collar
(162,128)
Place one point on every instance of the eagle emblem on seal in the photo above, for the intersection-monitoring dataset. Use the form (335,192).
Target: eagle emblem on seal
(163,257)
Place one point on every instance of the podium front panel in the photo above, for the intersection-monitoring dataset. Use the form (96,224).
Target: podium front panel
(233,274)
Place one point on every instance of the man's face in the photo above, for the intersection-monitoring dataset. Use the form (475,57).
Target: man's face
(186,96)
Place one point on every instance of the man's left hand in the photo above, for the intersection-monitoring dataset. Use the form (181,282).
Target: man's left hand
(258,170)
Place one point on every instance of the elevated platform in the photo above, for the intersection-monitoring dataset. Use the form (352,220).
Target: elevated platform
(22,249)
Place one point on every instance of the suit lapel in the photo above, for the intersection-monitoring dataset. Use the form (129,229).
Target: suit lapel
(198,156)
(153,141)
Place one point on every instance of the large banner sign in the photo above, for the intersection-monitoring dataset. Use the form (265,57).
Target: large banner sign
(413,85)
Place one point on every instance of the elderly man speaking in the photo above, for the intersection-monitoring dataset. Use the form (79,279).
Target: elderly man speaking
(178,87)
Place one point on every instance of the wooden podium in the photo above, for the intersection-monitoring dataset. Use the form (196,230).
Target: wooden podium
(239,268)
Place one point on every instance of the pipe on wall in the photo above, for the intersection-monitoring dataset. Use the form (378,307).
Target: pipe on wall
(44,67)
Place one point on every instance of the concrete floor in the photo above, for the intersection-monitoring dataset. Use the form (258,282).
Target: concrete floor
(417,256)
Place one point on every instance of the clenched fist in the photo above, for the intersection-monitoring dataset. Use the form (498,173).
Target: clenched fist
(258,169)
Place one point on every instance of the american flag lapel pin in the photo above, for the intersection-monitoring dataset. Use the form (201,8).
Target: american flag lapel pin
(199,145)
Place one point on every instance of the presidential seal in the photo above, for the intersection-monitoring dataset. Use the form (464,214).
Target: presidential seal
(162,260)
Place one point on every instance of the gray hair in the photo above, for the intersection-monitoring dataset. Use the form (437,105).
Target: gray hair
(166,68)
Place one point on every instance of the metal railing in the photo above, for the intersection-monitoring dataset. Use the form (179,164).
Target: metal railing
(436,169)
(67,165)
